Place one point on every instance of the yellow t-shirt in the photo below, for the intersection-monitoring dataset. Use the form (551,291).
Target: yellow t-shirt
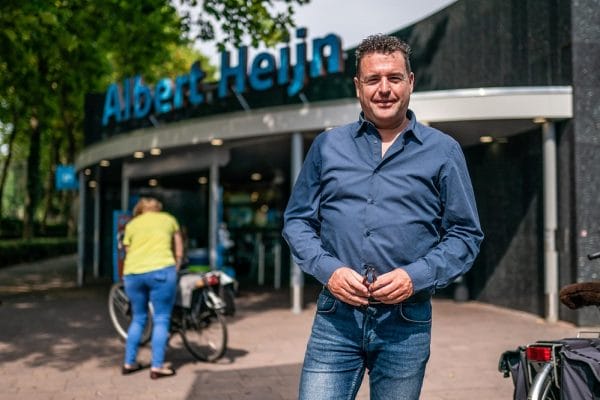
(149,241)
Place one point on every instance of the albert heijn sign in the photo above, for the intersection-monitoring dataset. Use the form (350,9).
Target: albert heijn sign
(134,99)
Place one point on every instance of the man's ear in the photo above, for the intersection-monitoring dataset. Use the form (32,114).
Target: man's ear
(356,83)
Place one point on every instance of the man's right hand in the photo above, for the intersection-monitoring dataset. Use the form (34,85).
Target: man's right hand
(347,285)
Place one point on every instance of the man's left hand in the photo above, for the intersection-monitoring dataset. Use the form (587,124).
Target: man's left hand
(392,287)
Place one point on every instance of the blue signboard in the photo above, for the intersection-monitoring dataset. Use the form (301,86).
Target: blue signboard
(65,178)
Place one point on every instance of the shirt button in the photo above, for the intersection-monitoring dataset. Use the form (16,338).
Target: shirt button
(368,233)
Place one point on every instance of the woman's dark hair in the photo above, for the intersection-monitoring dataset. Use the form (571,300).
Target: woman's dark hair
(385,44)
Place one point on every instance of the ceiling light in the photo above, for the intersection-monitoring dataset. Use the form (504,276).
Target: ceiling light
(203,180)
(256,176)
(104,163)
(216,142)
(138,154)
(155,151)
(87,172)
(539,120)
(486,139)
(92,184)
(152,182)
(254,197)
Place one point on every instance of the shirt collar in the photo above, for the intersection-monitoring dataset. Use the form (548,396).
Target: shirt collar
(413,126)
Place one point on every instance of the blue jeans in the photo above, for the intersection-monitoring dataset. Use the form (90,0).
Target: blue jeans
(159,288)
(390,341)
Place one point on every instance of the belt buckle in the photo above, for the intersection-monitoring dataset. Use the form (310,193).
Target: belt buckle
(372,301)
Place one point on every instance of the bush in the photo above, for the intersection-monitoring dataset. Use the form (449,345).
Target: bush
(12,228)
(20,251)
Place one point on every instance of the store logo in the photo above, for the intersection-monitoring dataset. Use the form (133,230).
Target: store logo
(134,99)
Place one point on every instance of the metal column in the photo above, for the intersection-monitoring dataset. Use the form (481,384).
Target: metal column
(124,193)
(550,222)
(213,204)
(297,277)
(81,230)
(96,254)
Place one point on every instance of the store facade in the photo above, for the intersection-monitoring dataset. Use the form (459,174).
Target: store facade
(508,81)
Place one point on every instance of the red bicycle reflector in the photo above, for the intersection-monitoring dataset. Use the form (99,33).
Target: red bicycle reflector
(539,353)
(212,280)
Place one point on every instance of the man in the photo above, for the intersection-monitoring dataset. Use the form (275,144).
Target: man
(382,213)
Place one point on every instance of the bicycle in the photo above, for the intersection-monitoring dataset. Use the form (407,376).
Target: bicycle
(198,315)
(565,369)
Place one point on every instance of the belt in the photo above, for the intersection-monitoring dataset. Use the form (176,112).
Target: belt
(418,297)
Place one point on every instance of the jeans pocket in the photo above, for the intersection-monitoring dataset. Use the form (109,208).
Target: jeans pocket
(159,276)
(417,313)
(326,303)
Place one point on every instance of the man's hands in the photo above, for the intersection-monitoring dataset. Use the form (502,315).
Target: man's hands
(389,288)
(347,285)
(392,287)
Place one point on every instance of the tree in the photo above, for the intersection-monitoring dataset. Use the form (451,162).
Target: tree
(53,53)
(260,21)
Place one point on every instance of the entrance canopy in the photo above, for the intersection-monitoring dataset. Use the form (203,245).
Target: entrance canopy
(466,114)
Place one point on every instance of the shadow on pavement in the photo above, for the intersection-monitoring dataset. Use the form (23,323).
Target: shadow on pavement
(263,383)
(48,321)
(61,328)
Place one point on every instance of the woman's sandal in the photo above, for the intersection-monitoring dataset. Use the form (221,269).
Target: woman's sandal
(130,370)
(161,373)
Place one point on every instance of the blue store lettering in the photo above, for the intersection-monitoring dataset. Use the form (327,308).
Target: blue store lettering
(134,99)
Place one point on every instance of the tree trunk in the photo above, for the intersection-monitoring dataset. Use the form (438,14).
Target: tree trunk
(49,184)
(33,178)
(6,163)
(70,195)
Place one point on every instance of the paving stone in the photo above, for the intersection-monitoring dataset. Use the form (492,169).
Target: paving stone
(57,343)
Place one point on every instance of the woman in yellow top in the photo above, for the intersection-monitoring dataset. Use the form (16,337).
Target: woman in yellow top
(154,249)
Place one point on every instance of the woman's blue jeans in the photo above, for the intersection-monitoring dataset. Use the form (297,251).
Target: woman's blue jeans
(159,288)
(392,342)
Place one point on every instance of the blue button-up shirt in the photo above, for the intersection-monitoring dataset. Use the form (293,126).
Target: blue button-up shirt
(413,208)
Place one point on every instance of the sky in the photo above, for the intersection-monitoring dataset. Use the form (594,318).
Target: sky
(352,20)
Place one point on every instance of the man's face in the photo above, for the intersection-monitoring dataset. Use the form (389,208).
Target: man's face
(383,88)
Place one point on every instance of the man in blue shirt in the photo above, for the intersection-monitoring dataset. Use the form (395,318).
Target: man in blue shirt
(382,214)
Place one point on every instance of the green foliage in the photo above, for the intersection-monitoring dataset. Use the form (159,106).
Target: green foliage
(54,52)
(262,21)
(12,228)
(20,251)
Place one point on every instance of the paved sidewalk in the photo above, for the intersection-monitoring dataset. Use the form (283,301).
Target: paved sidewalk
(56,342)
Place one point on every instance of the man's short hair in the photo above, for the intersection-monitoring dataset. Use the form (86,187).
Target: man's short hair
(384,44)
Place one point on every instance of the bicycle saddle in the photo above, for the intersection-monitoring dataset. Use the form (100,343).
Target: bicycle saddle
(577,295)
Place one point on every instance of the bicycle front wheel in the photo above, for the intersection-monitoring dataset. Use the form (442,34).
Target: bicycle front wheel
(119,310)
(206,337)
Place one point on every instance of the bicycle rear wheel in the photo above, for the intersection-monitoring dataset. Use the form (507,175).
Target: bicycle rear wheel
(205,337)
(543,387)
(119,310)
